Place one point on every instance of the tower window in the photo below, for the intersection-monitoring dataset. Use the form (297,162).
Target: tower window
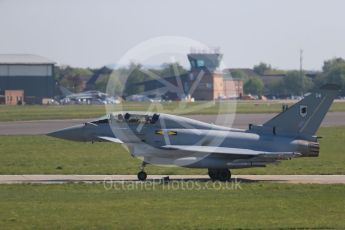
(200,63)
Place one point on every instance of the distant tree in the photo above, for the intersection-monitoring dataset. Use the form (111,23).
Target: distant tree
(328,65)
(82,71)
(295,84)
(253,85)
(73,83)
(136,75)
(117,81)
(171,69)
(71,78)
(277,87)
(102,82)
(319,80)
(333,72)
(73,71)
(57,73)
(238,74)
(261,68)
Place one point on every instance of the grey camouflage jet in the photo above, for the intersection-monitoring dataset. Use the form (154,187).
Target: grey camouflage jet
(160,138)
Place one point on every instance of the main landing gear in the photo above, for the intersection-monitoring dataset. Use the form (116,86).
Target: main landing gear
(142,174)
(219,174)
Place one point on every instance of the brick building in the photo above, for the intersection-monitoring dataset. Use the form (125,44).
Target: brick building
(14,97)
(233,88)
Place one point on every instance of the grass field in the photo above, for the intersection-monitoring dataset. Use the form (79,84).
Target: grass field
(249,206)
(46,155)
(35,112)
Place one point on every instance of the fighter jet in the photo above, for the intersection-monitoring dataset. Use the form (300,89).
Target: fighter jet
(160,138)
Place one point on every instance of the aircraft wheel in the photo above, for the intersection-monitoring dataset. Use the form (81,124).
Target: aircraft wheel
(224,175)
(142,176)
(219,174)
(212,173)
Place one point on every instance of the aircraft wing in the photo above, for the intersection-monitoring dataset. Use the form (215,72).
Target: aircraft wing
(234,151)
(111,139)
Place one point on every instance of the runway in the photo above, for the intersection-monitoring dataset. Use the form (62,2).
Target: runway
(59,179)
(237,121)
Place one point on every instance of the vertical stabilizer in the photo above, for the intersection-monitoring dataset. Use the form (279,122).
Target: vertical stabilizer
(305,117)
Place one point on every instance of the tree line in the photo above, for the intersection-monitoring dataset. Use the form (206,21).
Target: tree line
(293,82)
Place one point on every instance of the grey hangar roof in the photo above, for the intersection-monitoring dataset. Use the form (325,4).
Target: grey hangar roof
(24,59)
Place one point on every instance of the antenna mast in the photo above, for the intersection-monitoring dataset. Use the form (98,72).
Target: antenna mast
(301,70)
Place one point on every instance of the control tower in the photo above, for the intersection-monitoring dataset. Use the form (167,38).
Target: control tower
(204,73)
(205,61)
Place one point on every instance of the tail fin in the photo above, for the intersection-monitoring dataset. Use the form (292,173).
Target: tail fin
(305,117)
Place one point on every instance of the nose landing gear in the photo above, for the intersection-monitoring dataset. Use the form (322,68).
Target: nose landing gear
(142,175)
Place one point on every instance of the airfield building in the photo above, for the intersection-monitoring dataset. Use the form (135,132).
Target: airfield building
(25,78)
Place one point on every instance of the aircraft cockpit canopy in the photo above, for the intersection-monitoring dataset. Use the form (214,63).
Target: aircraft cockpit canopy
(136,118)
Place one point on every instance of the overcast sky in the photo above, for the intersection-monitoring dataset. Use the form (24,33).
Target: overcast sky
(98,32)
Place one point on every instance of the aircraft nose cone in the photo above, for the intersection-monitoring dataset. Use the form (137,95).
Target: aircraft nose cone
(74,133)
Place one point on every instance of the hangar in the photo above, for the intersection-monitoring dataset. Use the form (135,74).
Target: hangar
(32,75)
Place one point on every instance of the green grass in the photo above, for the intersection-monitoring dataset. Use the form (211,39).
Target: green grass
(36,112)
(46,155)
(91,206)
